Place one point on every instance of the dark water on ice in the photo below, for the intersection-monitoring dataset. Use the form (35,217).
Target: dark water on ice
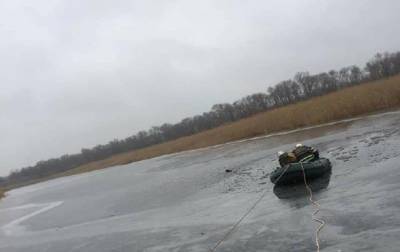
(187,202)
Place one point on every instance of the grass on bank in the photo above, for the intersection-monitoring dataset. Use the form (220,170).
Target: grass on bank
(2,192)
(346,103)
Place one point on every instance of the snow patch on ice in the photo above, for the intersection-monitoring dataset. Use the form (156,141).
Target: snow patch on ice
(14,228)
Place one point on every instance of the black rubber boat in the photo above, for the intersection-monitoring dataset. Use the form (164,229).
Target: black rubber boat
(292,173)
(290,191)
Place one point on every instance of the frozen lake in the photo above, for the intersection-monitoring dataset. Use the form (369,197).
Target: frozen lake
(187,202)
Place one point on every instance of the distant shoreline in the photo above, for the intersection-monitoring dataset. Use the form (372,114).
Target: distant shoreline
(347,103)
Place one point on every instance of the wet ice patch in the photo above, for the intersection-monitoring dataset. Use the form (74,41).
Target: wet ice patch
(250,177)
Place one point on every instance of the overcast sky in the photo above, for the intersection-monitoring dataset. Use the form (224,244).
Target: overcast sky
(76,73)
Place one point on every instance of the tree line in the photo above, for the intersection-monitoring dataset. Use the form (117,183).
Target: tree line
(301,87)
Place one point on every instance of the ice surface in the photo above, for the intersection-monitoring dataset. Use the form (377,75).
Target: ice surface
(186,201)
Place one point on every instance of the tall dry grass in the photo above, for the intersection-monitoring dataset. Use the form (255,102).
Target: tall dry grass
(2,193)
(346,103)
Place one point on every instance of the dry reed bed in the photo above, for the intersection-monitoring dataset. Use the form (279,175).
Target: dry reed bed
(2,193)
(346,103)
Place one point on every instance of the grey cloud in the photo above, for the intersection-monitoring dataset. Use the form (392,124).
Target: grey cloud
(78,73)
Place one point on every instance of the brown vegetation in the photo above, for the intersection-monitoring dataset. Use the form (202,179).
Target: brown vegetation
(346,103)
(304,100)
(303,86)
(2,192)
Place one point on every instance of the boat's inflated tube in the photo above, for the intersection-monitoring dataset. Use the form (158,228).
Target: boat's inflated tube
(292,173)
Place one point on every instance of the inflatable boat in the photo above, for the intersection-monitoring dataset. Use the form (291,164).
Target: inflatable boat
(293,173)
(291,191)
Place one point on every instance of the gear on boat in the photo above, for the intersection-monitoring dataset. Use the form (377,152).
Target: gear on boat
(292,163)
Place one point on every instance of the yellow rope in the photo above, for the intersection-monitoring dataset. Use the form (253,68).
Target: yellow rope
(321,222)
